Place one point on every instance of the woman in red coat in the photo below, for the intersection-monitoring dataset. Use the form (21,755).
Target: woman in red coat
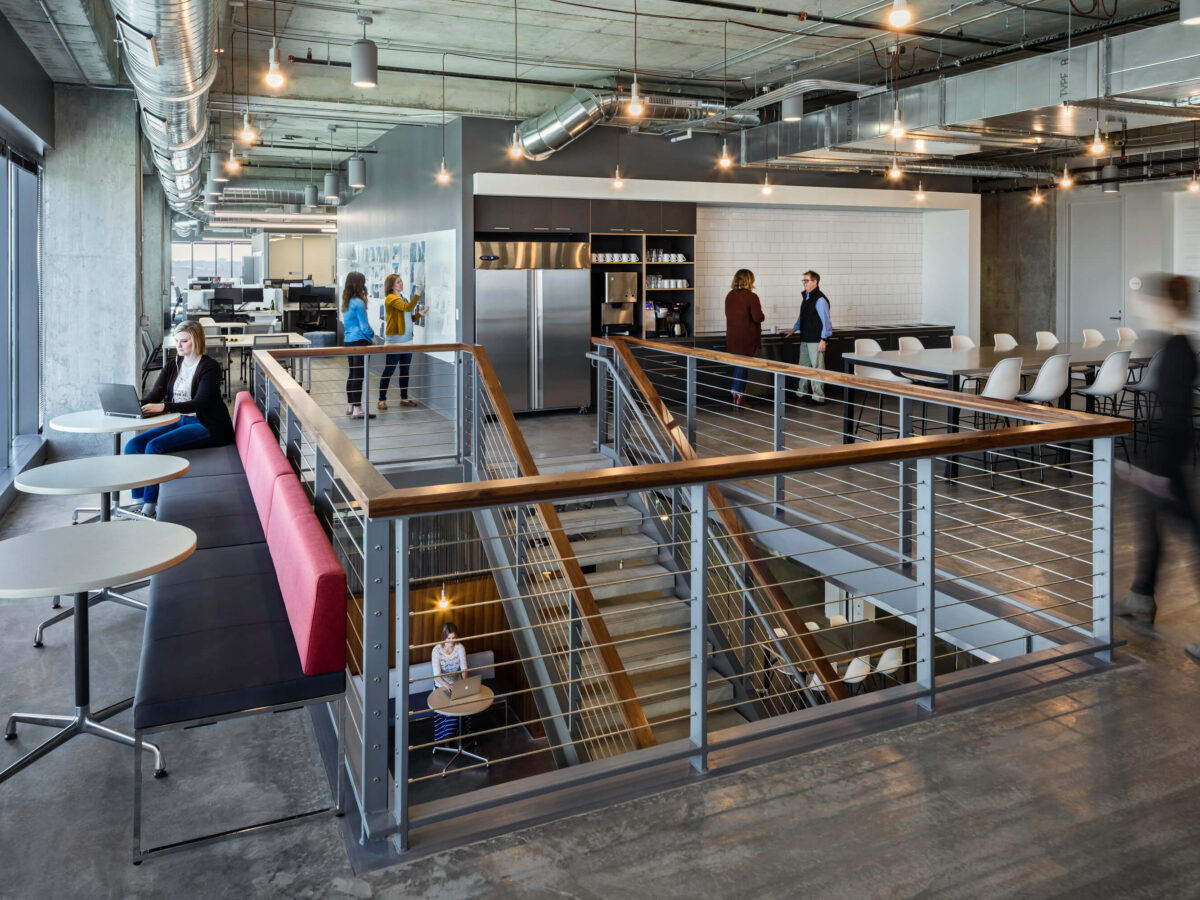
(743,327)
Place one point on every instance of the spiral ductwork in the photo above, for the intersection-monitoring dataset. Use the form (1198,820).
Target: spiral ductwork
(168,53)
(544,135)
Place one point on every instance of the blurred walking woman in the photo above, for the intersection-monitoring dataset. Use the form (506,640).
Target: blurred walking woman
(743,327)
(356,332)
(394,332)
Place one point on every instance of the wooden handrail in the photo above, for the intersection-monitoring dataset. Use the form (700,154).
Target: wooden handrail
(610,661)
(803,644)
(971,402)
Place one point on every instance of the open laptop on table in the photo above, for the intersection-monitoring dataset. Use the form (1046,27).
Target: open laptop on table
(120,400)
(465,688)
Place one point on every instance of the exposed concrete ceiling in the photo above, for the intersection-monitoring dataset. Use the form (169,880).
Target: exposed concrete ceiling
(72,39)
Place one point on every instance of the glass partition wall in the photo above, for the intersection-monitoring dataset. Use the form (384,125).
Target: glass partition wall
(20,300)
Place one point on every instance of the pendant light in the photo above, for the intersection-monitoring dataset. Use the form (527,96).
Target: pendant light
(364,58)
(232,164)
(900,15)
(1037,194)
(216,168)
(274,73)
(1097,144)
(724,160)
(332,182)
(310,189)
(920,191)
(895,172)
(1194,184)
(618,182)
(635,107)
(248,134)
(1066,181)
(767,188)
(792,108)
(897,131)
(443,175)
(1109,174)
(515,150)
(357,170)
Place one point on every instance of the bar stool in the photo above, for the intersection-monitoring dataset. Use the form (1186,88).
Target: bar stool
(869,345)
(1051,383)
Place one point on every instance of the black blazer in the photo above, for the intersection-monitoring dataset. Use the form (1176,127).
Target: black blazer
(207,404)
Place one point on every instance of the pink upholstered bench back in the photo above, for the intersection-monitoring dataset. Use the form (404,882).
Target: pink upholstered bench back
(265,464)
(311,579)
(245,416)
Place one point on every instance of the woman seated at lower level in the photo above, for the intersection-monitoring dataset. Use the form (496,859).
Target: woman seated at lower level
(449,665)
(189,384)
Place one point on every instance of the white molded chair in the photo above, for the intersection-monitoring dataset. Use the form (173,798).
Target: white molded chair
(1046,340)
(838,621)
(812,626)
(817,688)
(1126,335)
(889,664)
(1092,337)
(961,342)
(1004,342)
(1051,382)
(1111,379)
(869,345)
(1003,383)
(856,673)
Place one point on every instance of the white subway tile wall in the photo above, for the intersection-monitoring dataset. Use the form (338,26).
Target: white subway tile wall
(870,263)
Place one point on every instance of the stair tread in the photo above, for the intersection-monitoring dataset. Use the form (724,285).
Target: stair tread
(615,583)
(592,551)
(679,729)
(577,521)
(579,462)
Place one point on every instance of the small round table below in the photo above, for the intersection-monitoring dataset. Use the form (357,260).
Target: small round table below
(96,421)
(440,702)
(71,560)
(104,475)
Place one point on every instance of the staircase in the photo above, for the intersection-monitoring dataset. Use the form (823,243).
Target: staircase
(636,597)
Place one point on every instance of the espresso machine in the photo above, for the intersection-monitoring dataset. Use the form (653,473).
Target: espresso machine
(620,301)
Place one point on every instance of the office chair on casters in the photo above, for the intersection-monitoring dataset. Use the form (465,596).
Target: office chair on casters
(262,341)
(152,358)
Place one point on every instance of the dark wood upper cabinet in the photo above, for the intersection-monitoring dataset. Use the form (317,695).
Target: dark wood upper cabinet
(679,218)
(608,216)
(642,217)
(570,216)
(512,214)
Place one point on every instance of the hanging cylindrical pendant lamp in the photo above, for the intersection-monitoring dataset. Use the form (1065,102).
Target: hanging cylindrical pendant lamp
(364,59)
(332,186)
(791,109)
(358,172)
(310,195)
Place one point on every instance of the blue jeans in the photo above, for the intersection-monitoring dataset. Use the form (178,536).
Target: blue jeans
(739,380)
(394,360)
(186,434)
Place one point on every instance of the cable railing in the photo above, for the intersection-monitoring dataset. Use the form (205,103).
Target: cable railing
(730,572)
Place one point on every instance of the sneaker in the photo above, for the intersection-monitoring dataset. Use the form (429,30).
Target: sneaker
(149,510)
(1192,650)
(1133,604)
(383,404)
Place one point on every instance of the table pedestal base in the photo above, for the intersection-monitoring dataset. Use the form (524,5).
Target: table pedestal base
(80,723)
(458,751)
(98,597)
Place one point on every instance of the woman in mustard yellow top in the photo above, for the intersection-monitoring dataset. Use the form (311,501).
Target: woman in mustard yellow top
(395,306)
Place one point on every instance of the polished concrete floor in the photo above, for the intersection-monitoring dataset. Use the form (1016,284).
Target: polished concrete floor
(1088,787)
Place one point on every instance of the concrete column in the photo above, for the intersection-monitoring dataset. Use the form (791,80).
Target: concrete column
(156,256)
(90,276)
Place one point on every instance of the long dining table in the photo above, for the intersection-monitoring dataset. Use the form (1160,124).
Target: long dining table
(955,367)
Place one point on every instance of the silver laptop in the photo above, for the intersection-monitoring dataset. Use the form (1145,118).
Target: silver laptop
(120,400)
(465,687)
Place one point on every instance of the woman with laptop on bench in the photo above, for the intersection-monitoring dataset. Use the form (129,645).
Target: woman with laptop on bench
(189,384)
(449,665)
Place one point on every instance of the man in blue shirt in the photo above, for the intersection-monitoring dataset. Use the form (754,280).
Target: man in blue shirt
(814,327)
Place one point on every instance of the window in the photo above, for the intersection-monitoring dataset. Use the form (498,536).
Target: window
(192,259)
(223,256)
(181,265)
(204,260)
(20,301)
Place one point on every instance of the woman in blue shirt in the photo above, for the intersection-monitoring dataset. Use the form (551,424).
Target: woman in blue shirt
(356,332)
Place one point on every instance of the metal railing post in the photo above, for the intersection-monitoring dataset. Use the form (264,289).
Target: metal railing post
(618,426)
(291,442)
(780,431)
(271,413)
(1102,544)
(459,407)
(402,529)
(365,399)
(322,490)
(926,586)
(602,410)
(476,423)
(905,493)
(691,400)
(376,630)
(698,699)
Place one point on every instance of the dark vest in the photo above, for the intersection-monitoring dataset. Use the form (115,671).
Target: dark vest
(810,320)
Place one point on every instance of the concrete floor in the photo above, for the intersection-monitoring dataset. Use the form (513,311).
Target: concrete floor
(1088,787)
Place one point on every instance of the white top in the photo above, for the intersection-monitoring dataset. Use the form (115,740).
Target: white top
(183,381)
(448,663)
(99,474)
(79,558)
(94,421)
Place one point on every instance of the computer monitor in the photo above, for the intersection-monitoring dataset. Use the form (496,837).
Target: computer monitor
(252,295)
(225,300)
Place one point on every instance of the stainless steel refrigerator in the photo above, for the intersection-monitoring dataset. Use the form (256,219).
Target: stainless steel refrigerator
(533,316)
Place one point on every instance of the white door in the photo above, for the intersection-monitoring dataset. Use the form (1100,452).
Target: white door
(1096,290)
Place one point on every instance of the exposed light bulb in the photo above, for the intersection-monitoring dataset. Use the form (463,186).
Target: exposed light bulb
(1194,184)
(274,74)
(894,172)
(1037,194)
(443,175)
(725,161)
(1066,181)
(920,190)
(232,164)
(900,14)
(635,101)
(443,601)
(514,149)
(248,133)
(766,185)
(897,131)
(1097,142)
(618,182)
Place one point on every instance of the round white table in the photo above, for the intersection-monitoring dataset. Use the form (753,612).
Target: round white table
(95,421)
(75,561)
(104,475)
(441,702)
